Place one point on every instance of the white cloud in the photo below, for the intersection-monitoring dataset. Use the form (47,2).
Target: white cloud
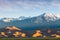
(26,4)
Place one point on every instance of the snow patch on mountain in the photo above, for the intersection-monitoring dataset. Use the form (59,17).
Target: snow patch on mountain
(47,17)
(7,19)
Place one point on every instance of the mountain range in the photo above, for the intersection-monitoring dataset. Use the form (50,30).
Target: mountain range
(44,21)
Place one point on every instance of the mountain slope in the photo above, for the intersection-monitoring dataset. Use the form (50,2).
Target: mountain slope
(44,21)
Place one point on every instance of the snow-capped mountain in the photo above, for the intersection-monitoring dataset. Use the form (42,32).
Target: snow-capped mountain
(7,19)
(13,19)
(47,17)
(22,18)
(46,20)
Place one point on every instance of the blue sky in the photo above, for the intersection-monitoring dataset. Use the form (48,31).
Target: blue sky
(16,8)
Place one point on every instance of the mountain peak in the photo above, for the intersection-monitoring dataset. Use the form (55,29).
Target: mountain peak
(48,17)
(48,14)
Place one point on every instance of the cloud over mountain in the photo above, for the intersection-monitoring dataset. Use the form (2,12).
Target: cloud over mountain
(27,3)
